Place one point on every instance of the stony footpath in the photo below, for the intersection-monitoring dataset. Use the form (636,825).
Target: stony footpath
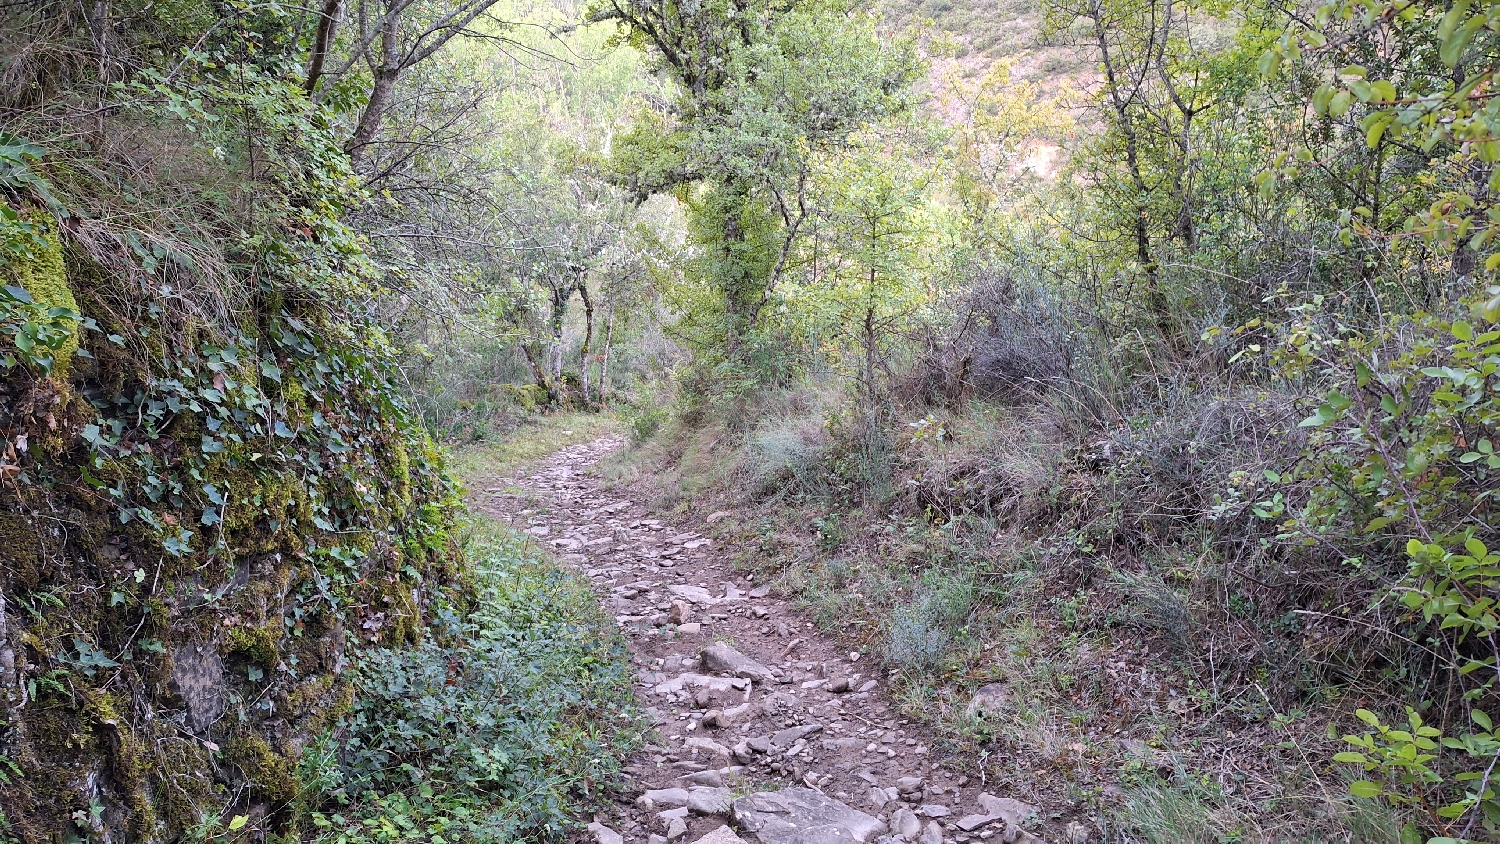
(766,729)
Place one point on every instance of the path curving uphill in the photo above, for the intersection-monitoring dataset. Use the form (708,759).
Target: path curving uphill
(767,729)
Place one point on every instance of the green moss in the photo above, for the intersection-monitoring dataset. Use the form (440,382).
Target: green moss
(179,797)
(20,560)
(113,366)
(297,404)
(127,761)
(405,617)
(398,469)
(265,505)
(528,396)
(44,275)
(272,774)
(257,644)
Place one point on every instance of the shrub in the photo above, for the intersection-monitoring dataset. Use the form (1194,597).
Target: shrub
(787,455)
(920,634)
(643,420)
(493,727)
(1397,481)
(1154,604)
(915,637)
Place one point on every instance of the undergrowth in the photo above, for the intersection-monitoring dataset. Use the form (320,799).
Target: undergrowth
(506,720)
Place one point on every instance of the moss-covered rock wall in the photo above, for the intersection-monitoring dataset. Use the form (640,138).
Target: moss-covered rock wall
(41,274)
(199,528)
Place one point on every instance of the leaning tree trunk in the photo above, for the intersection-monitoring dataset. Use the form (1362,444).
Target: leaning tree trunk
(322,41)
(539,374)
(381,93)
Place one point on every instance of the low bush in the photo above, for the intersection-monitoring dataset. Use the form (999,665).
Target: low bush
(920,634)
(513,710)
(643,420)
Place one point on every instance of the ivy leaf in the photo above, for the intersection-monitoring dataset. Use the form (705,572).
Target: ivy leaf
(1322,416)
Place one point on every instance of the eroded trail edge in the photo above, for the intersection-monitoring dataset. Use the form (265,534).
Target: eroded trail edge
(768,730)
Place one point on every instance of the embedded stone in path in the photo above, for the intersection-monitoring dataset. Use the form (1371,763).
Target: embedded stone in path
(696,594)
(722,835)
(803,816)
(713,684)
(669,798)
(722,659)
(703,800)
(1009,809)
(990,699)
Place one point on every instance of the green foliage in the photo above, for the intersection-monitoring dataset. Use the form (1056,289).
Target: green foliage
(20,237)
(758,114)
(40,333)
(1403,760)
(1429,105)
(512,711)
(643,420)
(1400,462)
(244,479)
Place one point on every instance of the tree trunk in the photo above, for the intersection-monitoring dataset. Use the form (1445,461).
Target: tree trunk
(539,374)
(1156,299)
(327,27)
(737,280)
(869,326)
(588,338)
(381,94)
(560,297)
(609,334)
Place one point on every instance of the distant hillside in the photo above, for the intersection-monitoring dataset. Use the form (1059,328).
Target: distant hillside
(991,32)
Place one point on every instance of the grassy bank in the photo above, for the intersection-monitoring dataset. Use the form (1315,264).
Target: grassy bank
(532,438)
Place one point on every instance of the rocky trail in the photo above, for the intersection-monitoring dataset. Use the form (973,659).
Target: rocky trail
(767,730)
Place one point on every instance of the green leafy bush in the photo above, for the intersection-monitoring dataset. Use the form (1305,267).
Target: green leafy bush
(643,420)
(1398,481)
(511,710)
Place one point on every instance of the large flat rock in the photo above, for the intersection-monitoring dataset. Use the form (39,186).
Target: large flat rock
(722,659)
(803,816)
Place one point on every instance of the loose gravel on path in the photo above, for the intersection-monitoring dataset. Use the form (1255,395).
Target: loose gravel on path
(769,730)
